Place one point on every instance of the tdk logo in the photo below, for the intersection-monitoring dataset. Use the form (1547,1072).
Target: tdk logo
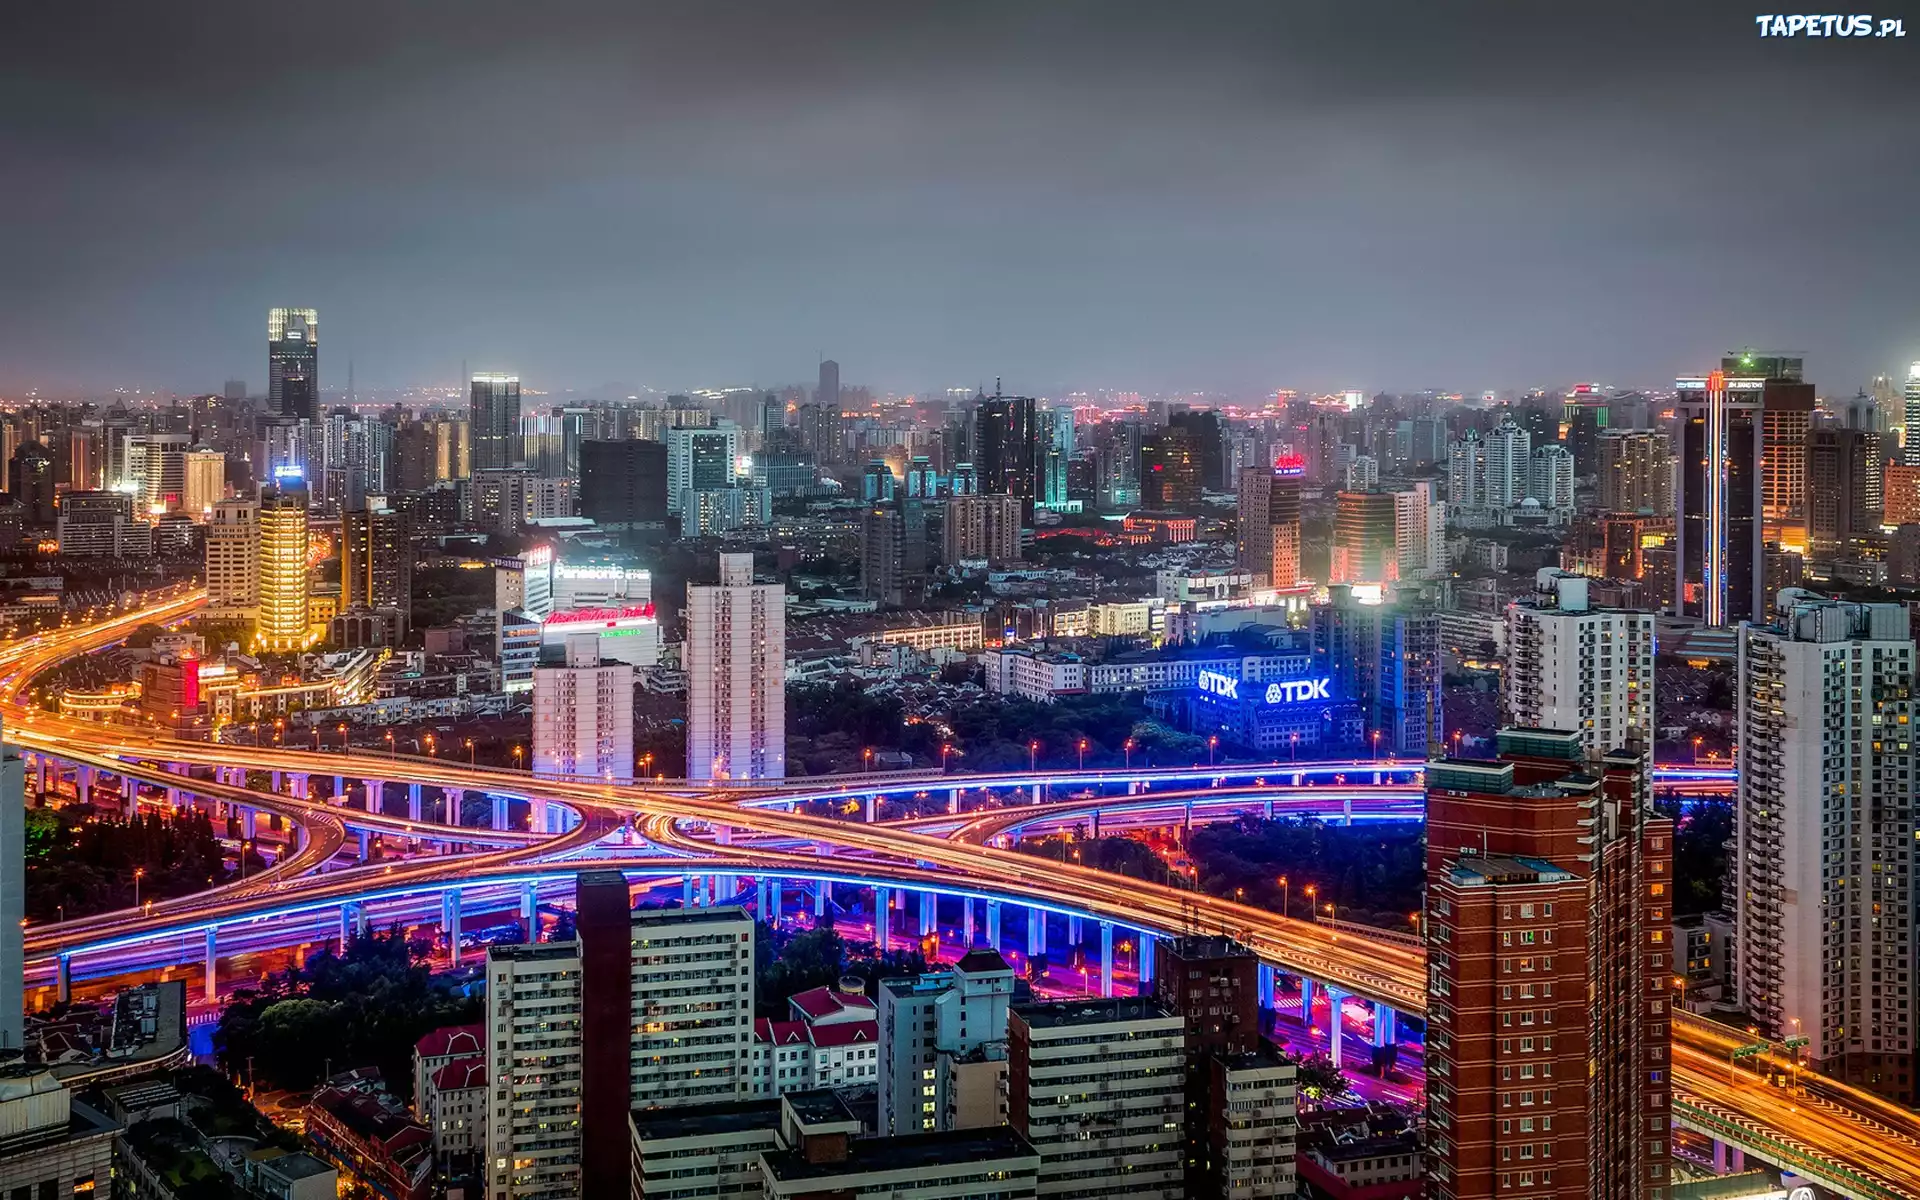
(1295,691)
(1225,686)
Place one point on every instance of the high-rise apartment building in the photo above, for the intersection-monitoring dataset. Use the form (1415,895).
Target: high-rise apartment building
(494,421)
(1269,528)
(1719,556)
(735,660)
(1169,469)
(1786,418)
(534,1061)
(1636,471)
(943,1041)
(981,527)
(281,618)
(1509,450)
(1574,666)
(893,552)
(233,560)
(1550,477)
(376,561)
(206,482)
(583,715)
(700,460)
(1910,398)
(623,485)
(1420,533)
(1113,1065)
(1117,465)
(1005,438)
(827,393)
(293,362)
(102,525)
(1844,500)
(673,989)
(1364,549)
(1549,947)
(1212,984)
(1386,659)
(1823,872)
(13,898)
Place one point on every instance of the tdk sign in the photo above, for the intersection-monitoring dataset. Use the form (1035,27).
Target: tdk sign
(1293,691)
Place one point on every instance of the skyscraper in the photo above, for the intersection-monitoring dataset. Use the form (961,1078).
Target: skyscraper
(293,362)
(282,616)
(700,460)
(1910,453)
(1420,533)
(1169,470)
(1844,499)
(1269,528)
(1006,445)
(1573,666)
(827,394)
(623,485)
(534,1067)
(736,653)
(1636,471)
(233,560)
(583,715)
(981,527)
(494,404)
(206,482)
(1822,867)
(376,561)
(1364,551)
(893,552)
(1719,560)
(1548,925)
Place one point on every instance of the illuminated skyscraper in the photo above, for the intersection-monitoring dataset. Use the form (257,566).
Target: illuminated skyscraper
(293,362)
(1719,560)
(736,654)
(1006,446)
(283,618)
(233,560)
(583,715)
(206,483)
(376,561)
(494,401)
(1910,454)
(1270,522)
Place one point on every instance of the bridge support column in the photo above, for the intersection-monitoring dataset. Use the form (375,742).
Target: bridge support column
(83,784)
(993,924)
(1035,925)
(1267,810)
(249,824)
(1186,816)
(966,924)
(374,790)
(1386,1025)
(299,838)
(1106,958)
(1728,1160)
(871,804)
(1036,793)
(929,913)
(1095,827)
(1306,1001)
(40,771)
(302,786)
(339,789)
(1266,988)
(213,960)
(760,898)
(686,891)
(882,910)
(346,925)
(530,910)
(366,846)
(173,799)
(450,921)
(953,795)
(276,783)
(63,989)
(821,891)
(499,812)
(1133,787)
(452,800)
(413,802)
(1073,931)
(1144,957)
(541,815)
(776,900)
(1346,806)
(1336,1002)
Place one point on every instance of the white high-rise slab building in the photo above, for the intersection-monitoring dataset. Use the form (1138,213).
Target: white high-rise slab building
(534,1049)
(233,560)
(583,715)
(735,659)
(1576,667)
(1823,945)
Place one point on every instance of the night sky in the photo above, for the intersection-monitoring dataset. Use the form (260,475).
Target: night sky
(1154,196)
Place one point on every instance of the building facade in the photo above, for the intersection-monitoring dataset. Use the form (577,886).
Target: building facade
(1571,665)
(736,669)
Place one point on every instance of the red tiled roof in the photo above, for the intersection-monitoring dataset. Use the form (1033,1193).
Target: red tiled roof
(457,1040)
(850,1033)
(824,1003)
(461,1073)
(780,1033)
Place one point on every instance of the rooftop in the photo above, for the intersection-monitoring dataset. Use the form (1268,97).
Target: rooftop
(1091,1012)
(1475,872)
(452,1040)
(740,1116)
(979,1149)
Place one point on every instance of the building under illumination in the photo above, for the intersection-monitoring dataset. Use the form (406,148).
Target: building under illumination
(233,560)
(735,659)
(494,402)
(283,614)
(583,715)
(293,362)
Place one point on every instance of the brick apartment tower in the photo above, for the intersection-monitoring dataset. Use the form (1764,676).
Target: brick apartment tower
(1548,881)
(604,921)
(1212,983)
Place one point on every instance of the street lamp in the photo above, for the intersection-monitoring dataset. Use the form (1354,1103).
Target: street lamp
(518,751)
(470,760)
(1283,896)
(138,874)
(1033,755)
(1376,745)
(1083,754)
(646,763)
(1129,749)
(946,748)
(343,739)
(1313,910)
(867,757)
(1696,750)
(1293,746)
(392,752)
(1213,743)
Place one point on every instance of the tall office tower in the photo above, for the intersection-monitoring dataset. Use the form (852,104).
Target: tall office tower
(943,1039)
(1005,448)
(500,498)
(1548,927)
(102,525)
(1208,434)
(452,448)
(736,655)
(674,988)
(31,483)
(1269,529)
(13,897)
(1117,465)
(376,561)
(535,1058)
(1786,418)
(876,482)
(623,484)
(1825,825)
(1571,665)
(1636,471)
(1362,473)
(161,462)
(1910,439)
(700,460)
(1169,470)
(283,442)
(1363,539)
(827,394)
(1386,659)
(1112,1065)
(293,362)
(822,433)
(1550,477)
(981,527)
(893,552)
(1719,559)
(1509,450)
(84,460)
(494,421)
(233,560)
(206,482)
(281,619)
(1053,450)
(1844,500)
(1420,533)
(1212,984)
(583,715)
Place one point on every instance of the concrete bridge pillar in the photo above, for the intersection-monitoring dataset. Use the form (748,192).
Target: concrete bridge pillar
(1386,1025)
(1036,926)
(1106,958)
(339,789)
(776,900)
(1096,823)
(499,812)
(276,783)
(249,824)
(1145,959)
(83,784)
(953,796)
(929,913)
(450,921)
(1306,1001)
(822,890)
(686,891)
(882,906)
(993,924)
(1266,810)
(1266,988)
(872,803)
(213,961)
(302,786)
(366,846)
(40,772)
(375,788)
(540,814)
(1346,807)
(530,910)
(966,924)
(63,989)
(1036,793)
(413,802)
(760,898)
(1073,931)
(452,800)
(1336,1002)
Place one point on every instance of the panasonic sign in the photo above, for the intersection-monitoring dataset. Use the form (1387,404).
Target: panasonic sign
(1293,691)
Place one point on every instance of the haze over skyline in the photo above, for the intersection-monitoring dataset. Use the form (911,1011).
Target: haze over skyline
(1389,196)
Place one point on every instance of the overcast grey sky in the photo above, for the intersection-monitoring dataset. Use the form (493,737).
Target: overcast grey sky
(1191,195)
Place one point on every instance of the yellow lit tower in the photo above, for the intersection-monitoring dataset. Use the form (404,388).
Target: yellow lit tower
(283,621)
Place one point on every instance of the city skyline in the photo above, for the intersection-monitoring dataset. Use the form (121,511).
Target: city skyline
(1225,201)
